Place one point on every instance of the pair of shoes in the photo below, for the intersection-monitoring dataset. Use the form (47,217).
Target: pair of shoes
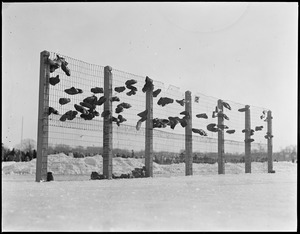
(73,91)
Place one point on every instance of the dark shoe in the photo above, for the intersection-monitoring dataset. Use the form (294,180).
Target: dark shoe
(120,89)
(230,131)
(156,92)
(63,101)
(81,109)
(51,110)
(97,90)
(54,80)
(181,102)
(202,116)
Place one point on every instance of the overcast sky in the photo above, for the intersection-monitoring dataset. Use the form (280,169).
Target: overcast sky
(244,52)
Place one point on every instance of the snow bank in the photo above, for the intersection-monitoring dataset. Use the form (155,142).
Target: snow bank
(61,164)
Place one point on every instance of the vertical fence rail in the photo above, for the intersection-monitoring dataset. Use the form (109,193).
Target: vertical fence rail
(247,140)
(270,142)
(221,154)
(149,134)
(188,136)
(107,124)
(42,134)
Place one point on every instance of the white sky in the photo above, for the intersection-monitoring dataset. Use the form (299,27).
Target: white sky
(244,52)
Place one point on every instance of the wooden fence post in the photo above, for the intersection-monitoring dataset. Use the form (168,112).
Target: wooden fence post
(107,124)
(221,158)
(270,142)
(149,134)
(42,134)
(247,140)
(188,136)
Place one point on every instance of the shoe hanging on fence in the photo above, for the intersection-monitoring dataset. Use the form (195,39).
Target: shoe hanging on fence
(120,89)
(114,119)
(64,67)
(138,125)
(54,64)
(105,113)
(199,131)
(181,102)
(222,115)
(268,136)
(51,110)
(73,91)
(88,105)
(156,92)
(80,109)
(88,116)
(222,126)
(91,100)
(248,140)
(212,127)
(130,82)
(230,131)
(131,92)
(215,112)
(184,121)
(54,80)
(173,121)
(115,99)
(63,101)
(203,115)
(121,119)
(143,114)
(95,113)
(97,90)
(258,128)
(100,101)
(226,105)
(124,105)
(244,109)
(119,109)
(186,113)
(148,85)
(164,101)
(263,116)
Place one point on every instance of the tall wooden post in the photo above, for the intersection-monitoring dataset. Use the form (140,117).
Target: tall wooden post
(247,140)
(107,124)
(42,134)
(149,134)
(221,157)
(188,136)
(270,142)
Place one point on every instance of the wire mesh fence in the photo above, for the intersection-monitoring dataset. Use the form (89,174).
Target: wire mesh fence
(70,130)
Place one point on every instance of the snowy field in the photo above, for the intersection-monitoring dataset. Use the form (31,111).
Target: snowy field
(169,201)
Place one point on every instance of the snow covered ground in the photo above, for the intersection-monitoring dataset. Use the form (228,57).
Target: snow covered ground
(170,201)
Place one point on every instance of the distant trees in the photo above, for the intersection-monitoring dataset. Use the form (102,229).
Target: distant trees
(289,153)
(27,145)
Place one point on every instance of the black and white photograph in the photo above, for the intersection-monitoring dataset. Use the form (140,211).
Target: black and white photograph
(149,116)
